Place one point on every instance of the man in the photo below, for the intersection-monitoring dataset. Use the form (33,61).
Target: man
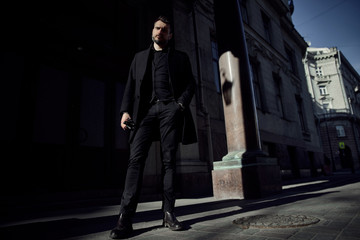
(157,95)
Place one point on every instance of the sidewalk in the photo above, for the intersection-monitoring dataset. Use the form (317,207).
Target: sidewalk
(333,201)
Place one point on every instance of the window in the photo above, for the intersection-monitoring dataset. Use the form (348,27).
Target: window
(323,90)
(278,97)
(319,72)
(340,131)
(215,63)
(291,60)
(256,83)
(267,27)
(299,103)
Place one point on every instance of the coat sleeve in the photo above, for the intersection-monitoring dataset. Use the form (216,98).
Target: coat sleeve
(128,98)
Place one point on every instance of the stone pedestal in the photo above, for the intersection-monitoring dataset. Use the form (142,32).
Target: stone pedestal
(227,183)
(245,172)
(240,178)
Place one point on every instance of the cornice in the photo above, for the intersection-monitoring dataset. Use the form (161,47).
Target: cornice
(257,45)
(321,56)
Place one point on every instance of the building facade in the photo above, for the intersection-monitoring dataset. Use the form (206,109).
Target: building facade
(65,69)
(286,122)
(334,86)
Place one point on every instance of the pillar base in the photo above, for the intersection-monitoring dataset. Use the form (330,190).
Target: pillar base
(245,178)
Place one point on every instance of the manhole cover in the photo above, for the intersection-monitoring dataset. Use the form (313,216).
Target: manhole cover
(275,221)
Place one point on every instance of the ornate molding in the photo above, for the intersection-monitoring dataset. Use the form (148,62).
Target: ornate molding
(255,47)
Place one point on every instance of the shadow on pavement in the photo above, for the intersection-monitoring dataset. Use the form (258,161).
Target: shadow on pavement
(72,227)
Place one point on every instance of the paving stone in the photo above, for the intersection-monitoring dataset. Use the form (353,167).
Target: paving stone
(325,237)
(250,231)
(303,235)
(351,232)
(275,234)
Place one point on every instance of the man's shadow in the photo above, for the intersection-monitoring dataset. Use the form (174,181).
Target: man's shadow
(63,227)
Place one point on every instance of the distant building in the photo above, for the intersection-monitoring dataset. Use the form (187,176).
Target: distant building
(334,86)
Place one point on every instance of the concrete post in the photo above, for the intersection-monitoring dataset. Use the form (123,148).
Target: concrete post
(246,171)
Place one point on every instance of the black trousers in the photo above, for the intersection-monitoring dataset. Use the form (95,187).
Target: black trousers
(164,118)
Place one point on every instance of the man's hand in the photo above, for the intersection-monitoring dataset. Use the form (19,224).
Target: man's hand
(124,117)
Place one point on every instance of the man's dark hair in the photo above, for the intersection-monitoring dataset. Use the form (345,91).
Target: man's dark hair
(164,19)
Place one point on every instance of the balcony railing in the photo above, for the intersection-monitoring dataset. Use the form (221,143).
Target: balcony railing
(327,113)
(335,113)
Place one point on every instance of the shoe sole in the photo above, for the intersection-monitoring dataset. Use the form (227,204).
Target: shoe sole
(167,225)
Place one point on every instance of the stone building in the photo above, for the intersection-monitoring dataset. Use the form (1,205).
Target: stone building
(286,121)
(64,68)
(334,86)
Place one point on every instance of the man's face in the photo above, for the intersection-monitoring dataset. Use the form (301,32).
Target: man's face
(161,33)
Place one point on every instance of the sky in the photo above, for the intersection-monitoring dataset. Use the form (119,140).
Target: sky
(330,23)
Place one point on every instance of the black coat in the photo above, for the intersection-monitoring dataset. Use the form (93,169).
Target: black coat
(137,91)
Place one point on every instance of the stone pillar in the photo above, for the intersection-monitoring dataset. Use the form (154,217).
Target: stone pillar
(245,172)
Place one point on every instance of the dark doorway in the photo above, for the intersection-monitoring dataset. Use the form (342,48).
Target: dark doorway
(346,158)
(294,162)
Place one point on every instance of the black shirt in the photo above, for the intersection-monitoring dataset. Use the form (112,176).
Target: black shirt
(160,73)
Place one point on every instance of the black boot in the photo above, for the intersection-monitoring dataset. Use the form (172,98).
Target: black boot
(123,228)
(171,222)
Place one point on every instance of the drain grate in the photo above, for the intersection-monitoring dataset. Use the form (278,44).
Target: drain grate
(275,221)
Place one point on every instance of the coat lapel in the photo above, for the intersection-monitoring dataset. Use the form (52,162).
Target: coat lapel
(143,63)
(171,64)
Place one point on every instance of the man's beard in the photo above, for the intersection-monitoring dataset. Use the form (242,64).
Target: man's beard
(158,42)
